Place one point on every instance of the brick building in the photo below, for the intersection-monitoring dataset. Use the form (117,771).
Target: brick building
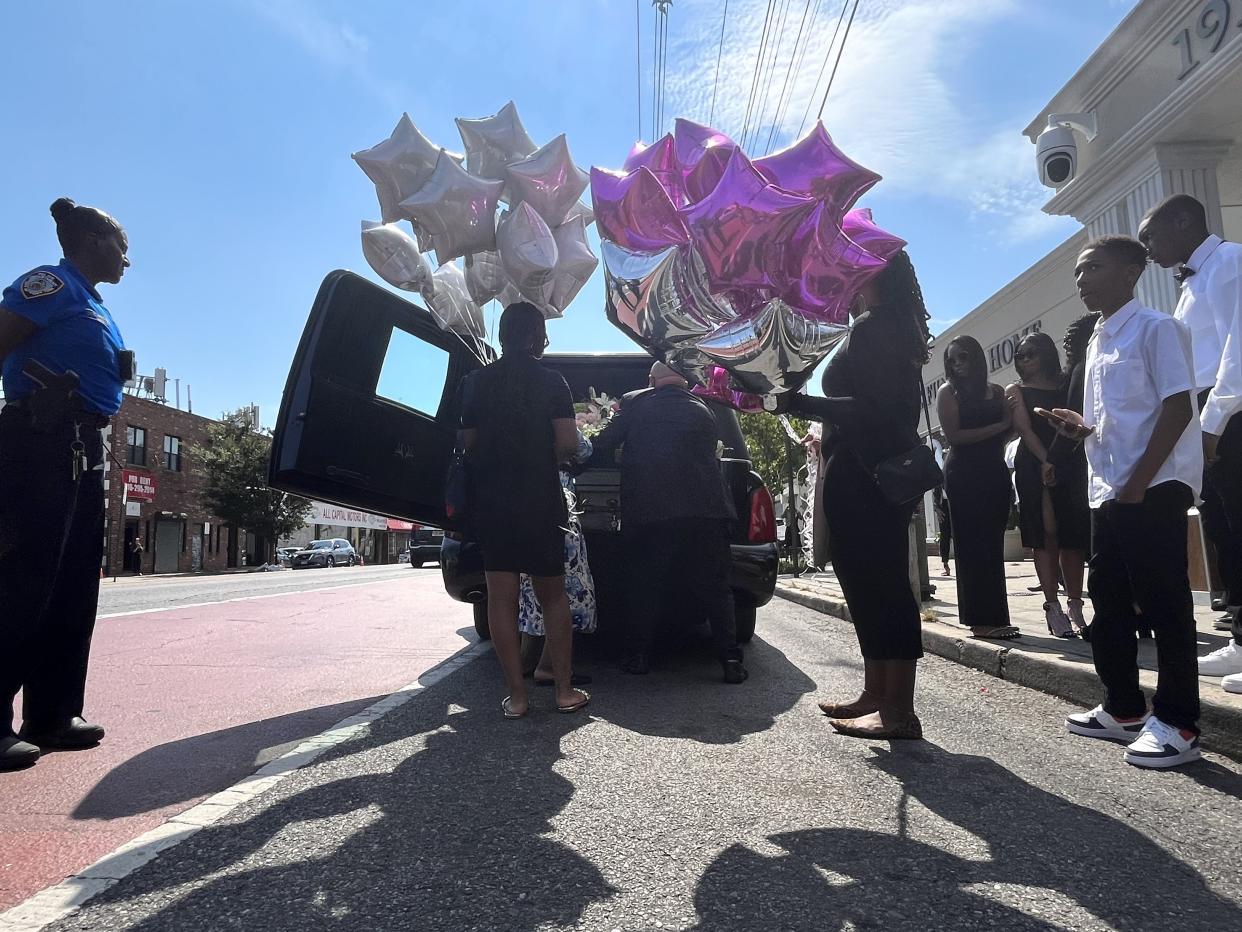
(152,454)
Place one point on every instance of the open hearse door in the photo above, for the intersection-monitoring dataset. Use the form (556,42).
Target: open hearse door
(369,413)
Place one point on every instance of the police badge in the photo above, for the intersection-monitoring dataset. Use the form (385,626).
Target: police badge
(40,285)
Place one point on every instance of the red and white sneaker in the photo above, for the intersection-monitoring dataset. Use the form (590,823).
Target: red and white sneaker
(1099,724)
(1162,745)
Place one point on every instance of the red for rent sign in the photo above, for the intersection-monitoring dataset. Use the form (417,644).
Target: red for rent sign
(139,487)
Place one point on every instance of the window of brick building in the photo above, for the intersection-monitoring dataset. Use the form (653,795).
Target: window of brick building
(136,437)
(172,453)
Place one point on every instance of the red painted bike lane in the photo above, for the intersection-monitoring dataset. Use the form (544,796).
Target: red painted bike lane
(195,699)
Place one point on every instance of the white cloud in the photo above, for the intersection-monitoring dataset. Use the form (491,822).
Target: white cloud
(892,105)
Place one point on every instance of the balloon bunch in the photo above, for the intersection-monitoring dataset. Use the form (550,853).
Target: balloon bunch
(538,248)
(738,273)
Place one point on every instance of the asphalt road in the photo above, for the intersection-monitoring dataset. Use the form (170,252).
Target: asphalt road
(681,803)
(149,593)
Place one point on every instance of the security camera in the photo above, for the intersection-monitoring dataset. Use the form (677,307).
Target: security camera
(1056,148)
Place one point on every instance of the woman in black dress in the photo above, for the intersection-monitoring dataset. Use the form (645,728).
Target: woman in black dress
(1052,488)
(871,413)
(517,426)
(976,421)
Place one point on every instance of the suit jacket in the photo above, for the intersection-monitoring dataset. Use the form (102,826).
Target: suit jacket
(669,469)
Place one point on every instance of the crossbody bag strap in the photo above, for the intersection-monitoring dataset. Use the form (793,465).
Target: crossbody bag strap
(926,412)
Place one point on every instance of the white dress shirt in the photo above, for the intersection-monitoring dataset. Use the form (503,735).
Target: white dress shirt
(1210,306)
(1136,359)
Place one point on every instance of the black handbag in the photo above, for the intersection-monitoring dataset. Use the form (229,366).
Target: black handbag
(906,476)
(458,494)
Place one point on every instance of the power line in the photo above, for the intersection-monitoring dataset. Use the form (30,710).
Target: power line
(840,52)
(781,100)
(715,84)
(822,68)
(757,128)
(754,81)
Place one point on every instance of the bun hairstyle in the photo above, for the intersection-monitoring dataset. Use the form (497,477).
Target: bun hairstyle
(75,224)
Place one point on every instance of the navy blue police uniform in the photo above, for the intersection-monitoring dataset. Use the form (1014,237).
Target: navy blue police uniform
(51,493)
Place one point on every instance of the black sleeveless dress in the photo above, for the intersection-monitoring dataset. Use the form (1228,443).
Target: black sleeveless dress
(977,482)
(1069,495)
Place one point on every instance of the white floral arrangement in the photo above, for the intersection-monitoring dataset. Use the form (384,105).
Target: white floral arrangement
(594,414)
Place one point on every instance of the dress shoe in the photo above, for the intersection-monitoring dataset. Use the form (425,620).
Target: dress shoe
(16,753)
(74,735)
(734,672)
(1218,601)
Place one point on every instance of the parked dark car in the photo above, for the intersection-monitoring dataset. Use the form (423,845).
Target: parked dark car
(368,420)
(328,552)
(425,544)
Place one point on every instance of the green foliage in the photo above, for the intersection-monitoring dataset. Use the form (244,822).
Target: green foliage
(233,465)
(768,445)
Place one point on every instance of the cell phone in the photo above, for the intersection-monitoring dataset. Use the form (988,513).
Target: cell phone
(1055,418)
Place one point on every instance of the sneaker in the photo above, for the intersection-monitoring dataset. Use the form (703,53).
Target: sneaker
(1223,662)
(1162,745)
(1099,724)
(1232,683)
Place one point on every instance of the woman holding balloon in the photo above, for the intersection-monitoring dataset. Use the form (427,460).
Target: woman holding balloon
(871,411)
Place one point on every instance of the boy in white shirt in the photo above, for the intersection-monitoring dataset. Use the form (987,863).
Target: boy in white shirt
(1175,233)
(1145,456)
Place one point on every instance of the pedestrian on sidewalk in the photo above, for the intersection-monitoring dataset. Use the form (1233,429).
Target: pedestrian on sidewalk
(1175,232)
(517,426)
(1145,456)
(976,420)
(944,527)
(1053,514)
(872,389)
(64,365)
(675,515)
(136,551)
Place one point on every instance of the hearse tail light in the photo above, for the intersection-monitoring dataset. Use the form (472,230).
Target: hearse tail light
(762,517)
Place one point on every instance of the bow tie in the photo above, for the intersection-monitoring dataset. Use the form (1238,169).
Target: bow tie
(1183,272)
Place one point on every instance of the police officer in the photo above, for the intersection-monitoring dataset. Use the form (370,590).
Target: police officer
(64,364)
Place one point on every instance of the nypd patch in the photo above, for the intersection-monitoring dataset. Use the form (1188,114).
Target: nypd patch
(40,285)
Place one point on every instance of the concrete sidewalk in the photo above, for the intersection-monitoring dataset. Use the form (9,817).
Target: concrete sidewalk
(1037,659)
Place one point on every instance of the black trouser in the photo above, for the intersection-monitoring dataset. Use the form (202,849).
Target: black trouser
(691,556)
(1139,557)
(869,540)
(1221,513)
(51,547)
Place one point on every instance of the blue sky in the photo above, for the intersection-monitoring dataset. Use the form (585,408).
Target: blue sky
(219,134)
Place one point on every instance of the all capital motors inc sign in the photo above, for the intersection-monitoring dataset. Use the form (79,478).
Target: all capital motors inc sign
(339,516)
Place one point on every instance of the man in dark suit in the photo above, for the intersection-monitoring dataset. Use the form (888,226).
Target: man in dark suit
(674,513)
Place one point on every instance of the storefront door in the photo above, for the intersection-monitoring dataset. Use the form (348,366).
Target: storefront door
(167,545)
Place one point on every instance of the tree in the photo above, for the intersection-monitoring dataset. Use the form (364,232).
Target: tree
(233,465)
(766,440)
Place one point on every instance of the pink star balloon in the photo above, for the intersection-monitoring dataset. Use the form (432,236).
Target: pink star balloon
(548,180)
(660,158)
(833,267)
(456,209)
(693,140)
(814,166)
(634,211)
(745,228)
(859,226)
(704,177)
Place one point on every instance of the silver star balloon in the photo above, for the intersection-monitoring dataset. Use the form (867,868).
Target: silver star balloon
(450,303)
(495,141)
(548,180)
(581,210)
(575,263)
(394,256)
(528,252)
(399,166)
(774,349)
(455,209)
(485,276)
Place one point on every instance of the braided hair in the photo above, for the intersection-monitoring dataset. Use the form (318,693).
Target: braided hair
(899,293)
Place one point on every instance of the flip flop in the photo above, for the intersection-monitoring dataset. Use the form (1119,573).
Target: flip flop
(1002,633)
(575,706)
(508,711)
(577,679)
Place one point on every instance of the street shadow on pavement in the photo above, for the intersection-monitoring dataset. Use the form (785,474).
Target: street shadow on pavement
(684,696)
(1064,865)
(438,819)
(183,770)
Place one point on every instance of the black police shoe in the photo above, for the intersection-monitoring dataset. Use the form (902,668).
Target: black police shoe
(637,663)
(16,753)
(734,672)
(74,735)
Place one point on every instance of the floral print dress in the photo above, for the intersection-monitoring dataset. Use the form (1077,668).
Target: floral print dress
(579,585)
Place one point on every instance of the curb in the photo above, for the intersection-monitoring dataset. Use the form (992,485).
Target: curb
(66,897)
(1065,679)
